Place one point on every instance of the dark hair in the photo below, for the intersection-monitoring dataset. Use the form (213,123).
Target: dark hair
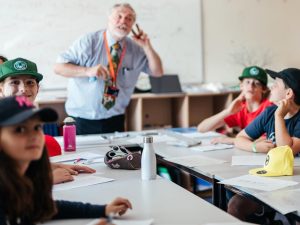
(30,194)
(3,58)
(296,98)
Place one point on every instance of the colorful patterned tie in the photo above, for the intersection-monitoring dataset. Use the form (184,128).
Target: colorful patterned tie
(109,99)
(115,49)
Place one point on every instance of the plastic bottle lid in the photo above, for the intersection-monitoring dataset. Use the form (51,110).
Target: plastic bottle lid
(69,120)
(148,139)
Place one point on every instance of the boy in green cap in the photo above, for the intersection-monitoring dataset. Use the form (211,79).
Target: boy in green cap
(246,107)
(20,77)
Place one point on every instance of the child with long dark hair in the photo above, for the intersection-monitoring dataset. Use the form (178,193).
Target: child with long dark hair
(25,171)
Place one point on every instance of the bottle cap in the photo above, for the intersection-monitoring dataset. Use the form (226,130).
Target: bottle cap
(148,139)
(69,120)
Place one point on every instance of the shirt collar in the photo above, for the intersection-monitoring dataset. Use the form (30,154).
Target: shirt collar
(111,40)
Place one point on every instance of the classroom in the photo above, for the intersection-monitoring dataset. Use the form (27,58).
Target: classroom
(150,112)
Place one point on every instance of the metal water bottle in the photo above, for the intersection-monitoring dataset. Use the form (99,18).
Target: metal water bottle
(69,133)
(148,163)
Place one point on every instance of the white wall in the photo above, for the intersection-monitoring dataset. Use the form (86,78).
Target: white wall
(237,32)
(40,29)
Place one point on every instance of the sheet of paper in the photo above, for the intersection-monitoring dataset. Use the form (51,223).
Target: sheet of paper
(85,140)
(259,183)
(156,139)
(248,160)
(211,147)
(228,223)
(284,201)
(72,157)
(81,181)
(209,134)
(254,160)
(126,222)
(195,160)
(297,161)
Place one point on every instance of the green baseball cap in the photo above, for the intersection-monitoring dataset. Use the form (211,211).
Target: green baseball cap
(19,66)
(255,72)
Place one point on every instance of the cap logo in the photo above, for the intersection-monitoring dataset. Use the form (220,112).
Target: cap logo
(267,160)
(20,65)
(261,172)
(254,71)
(23,101)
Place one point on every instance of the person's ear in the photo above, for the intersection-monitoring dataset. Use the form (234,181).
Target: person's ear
(290,94)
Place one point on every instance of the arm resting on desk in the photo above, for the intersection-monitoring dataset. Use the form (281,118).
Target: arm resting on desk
(72,210)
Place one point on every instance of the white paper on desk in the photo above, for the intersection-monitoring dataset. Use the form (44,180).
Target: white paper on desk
(73,156)
(211,147)
(156,139)
(126,222)
(297,161)
(81,181)
(204,135)
(195,160)
(259,183)
(248,160)
(284,201)
(229,223)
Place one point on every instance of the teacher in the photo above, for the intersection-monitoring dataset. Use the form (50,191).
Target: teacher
(103,68)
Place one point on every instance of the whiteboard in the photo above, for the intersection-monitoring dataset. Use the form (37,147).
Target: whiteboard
(39,30)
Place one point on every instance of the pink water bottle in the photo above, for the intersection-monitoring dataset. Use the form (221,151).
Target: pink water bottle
(69,133)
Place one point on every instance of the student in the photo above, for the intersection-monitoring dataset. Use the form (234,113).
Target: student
(280,122)
(246,107)
(20,77)
(98,94)
(25,178)
(2,59)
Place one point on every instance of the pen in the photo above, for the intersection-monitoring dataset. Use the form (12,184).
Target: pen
(78,160)
(92,79)
(139,34)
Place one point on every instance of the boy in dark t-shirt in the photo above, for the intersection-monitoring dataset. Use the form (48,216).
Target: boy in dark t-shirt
(280,123)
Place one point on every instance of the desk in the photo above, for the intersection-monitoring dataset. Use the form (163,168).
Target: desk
(216,173)
(160,199)
(163,202)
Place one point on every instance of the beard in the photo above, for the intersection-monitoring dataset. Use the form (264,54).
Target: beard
(120,31)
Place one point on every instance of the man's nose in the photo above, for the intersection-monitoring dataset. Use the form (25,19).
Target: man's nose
(122,19)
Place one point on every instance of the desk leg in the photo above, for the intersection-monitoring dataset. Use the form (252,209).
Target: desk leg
(219,195)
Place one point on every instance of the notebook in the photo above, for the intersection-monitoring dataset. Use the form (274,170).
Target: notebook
(165,84)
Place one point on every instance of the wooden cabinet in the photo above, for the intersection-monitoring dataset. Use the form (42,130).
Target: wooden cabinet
(150,111)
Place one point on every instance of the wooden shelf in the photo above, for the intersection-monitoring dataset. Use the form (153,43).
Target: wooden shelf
(147,111)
